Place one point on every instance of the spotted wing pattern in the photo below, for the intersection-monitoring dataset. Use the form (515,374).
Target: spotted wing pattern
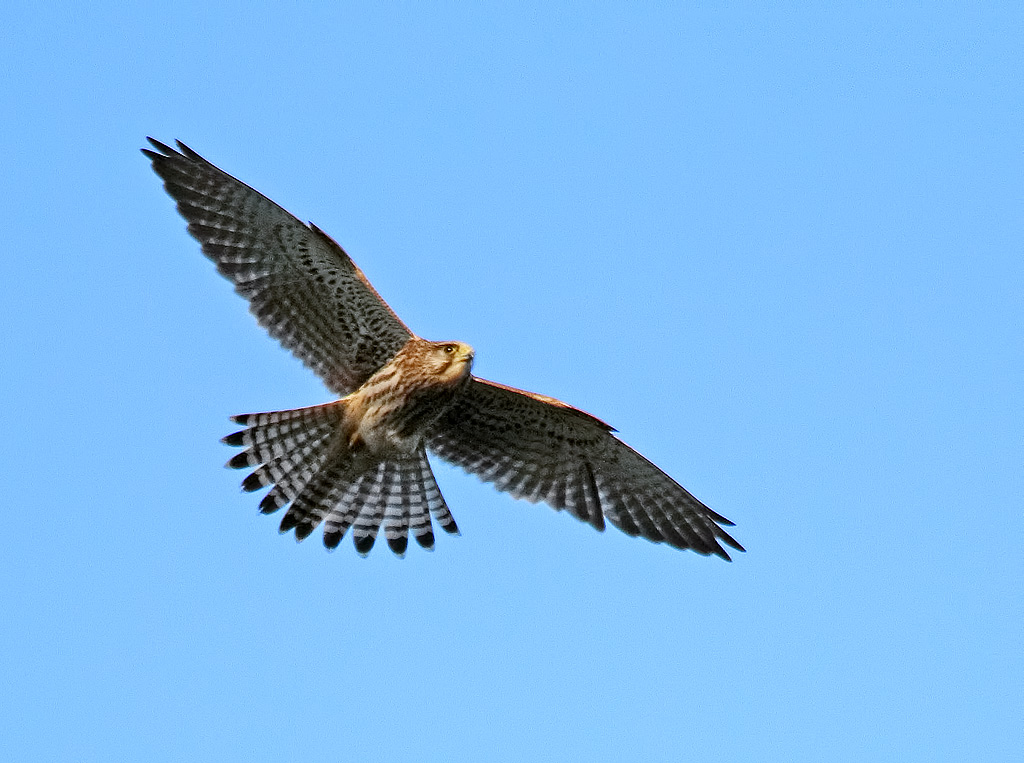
(301,285)
(541,449)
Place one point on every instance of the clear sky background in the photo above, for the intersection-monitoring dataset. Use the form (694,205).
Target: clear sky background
(779,250)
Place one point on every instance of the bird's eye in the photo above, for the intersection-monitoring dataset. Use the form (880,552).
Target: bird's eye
(449,348)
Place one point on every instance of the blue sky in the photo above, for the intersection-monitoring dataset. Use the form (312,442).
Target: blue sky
(778,249)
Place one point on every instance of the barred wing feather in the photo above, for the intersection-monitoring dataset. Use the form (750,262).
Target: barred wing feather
(301,285)
(540,449)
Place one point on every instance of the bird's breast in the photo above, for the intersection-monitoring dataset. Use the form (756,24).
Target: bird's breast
(391,417)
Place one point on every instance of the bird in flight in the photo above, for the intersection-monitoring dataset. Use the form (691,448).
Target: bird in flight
(359,463)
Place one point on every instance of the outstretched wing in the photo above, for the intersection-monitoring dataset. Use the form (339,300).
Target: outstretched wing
(301,286)
(541,449)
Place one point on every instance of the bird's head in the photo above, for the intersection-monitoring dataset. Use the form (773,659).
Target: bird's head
(450,360)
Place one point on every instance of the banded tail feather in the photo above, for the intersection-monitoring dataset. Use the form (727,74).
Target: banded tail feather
(306,458)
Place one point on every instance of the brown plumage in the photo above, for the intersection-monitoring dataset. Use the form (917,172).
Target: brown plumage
(359,463)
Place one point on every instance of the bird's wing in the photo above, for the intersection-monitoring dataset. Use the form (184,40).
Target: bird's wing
(541,449)
(301,285)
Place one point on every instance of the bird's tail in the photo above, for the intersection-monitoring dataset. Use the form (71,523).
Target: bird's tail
(304,454)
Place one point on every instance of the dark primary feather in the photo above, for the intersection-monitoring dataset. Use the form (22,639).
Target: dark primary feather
(302,287)
(543,450)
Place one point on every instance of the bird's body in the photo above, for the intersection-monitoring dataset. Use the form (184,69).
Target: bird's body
(360,463)
(392,412)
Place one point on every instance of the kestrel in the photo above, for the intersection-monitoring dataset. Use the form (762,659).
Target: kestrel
(360,463)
